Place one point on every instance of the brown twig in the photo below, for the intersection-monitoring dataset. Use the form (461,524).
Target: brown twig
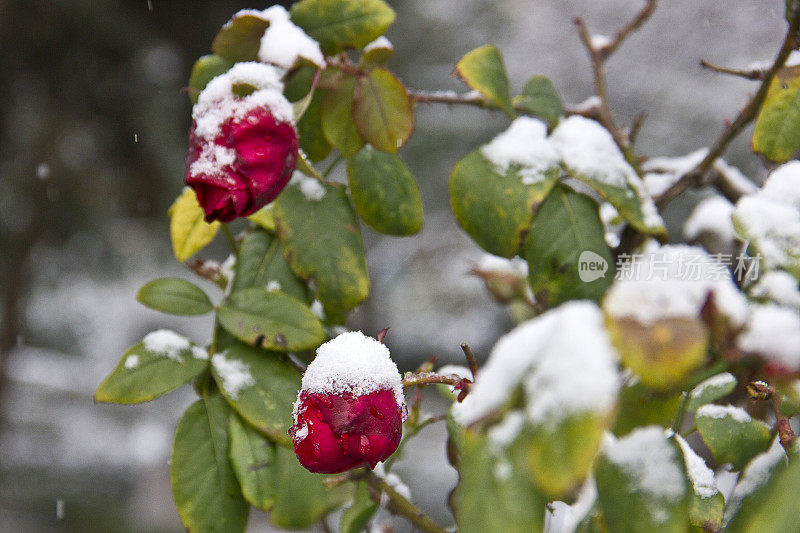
(598,55)
(429,378)
(760,390)
(699,175)
(640,18)
(750,74)
(472,363)
(383,493)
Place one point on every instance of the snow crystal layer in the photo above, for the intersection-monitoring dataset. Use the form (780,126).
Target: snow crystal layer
(651,462)
(720,380)
(779,287)
(217,102)
(773,332)
(757,472)
(311,188)
(283,43)
(564,361)
(355,364)
(166,343)
(235,374)
(700,475)
(771,216)
(673,281)
(712,215)
(524,145)
(721,411)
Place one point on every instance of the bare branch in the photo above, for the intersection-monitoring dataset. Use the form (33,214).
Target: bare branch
(750,74)
(636,22)
(700,174)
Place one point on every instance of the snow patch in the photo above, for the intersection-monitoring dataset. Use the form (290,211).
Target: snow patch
(284,43)
(131,362)
(712,215)
(711,410)
(523,146)
(720,380)
(673,281)
(273,285)
(651,462)
(757,472)
(380,43)
(780,287)
(773,332)
(563,359)
(166,343)
(235,374)
(355,364)
(700,475)
(771,217)
(311,188)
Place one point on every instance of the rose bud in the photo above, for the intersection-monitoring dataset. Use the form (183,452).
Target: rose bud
(242,149)
(350,410)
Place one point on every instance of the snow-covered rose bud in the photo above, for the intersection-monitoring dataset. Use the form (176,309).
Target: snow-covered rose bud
(350,410)
(242,149)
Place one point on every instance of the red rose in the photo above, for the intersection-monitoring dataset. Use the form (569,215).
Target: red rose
(242,149)
(334,433)
(350,410)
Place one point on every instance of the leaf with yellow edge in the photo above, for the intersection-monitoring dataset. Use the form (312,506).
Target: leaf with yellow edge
(189,232)
(483,70)
(777,131)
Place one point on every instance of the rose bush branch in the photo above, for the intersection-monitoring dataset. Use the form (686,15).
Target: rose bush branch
(598,55)
(701,173)
(749,74)
(384,494)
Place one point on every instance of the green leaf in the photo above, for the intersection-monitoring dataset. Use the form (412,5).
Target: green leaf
(711,390)
(240,38)
(175,296)
(566,249)
(336,115)
(771,505)
(312,137)
(204,70)
(629,496)
(142,375)
(340,24)
(261,263)
(731,435)
(303,498)
(271,320)
(483,70)
(297,84)
(641,406)
(204,486)
(263,217)
(382,110)
(385,192)
(252,458)
(495,209)
(494,493)
(539,97)
(266,400)
(355,517)
(777,130)
(189,232)
(376,54)
(322,241)
(559,456)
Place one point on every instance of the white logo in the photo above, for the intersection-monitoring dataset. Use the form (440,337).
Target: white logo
(591,266)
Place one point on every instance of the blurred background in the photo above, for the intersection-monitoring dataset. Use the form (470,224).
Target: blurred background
(93,132)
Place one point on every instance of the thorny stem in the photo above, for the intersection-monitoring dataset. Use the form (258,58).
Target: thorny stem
(231,240)
(598,56)
(750,74)
(383,493)
(699,175)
